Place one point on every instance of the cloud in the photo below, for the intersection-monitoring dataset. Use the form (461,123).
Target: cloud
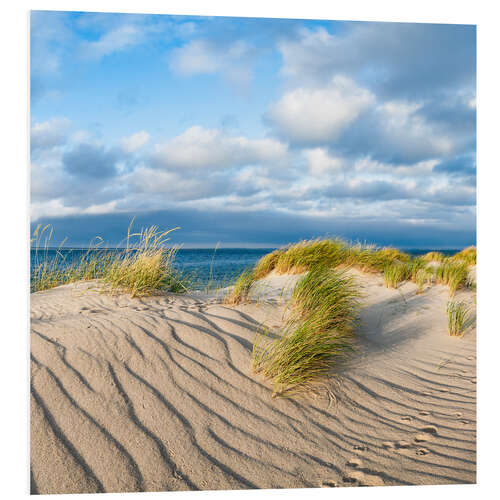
(233,60)
(397,60)
(135,141)
(199,148)
(463,165)
(91,161)
(318,115)
(172,186)
(271,227)
(116,40)
(320,162)
(48,134)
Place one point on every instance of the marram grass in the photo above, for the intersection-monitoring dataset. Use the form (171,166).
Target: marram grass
(308,254)
(317,333)
(453,274)
(143,267)
(433,257)
(467,255)
(241,289)
(458,315)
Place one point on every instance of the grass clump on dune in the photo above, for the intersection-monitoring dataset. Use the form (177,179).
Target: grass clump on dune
(241,288)
(267,264)
(146,266)
(458,315)
(467,255)
(453,274)
(423,276)
(394,274)
(317,332)
(308,254)
(141,268)
(433,257)
(49,272)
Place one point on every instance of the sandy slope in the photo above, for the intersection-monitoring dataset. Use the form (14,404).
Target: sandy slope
(157,394)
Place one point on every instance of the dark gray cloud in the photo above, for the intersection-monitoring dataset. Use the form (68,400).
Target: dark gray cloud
(91,161)
(269,227)
(396,60)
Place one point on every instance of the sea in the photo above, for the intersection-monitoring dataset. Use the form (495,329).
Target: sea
(202,267)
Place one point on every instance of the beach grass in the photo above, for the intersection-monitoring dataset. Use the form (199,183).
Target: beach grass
(397,272)
(433,257)
(453,274)
(142,267)
(423,276)
(317,333)
(467,255)
(241,289)
(330,252)
(458,314)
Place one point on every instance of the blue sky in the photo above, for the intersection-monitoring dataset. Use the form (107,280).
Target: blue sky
(253,132)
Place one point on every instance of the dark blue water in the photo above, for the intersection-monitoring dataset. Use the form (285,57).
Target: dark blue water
(200,266)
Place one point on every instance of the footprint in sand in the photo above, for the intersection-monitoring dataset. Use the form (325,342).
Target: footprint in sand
(406,418)
(458,414)
(350,480)
(360,447)
(328,483)
(422,451)
(470,358)
(424,413)
(403,444)
(429,429)
(388,445)
(354,462)
(425,434)
(359,478)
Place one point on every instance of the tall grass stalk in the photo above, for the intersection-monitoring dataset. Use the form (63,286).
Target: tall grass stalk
(458,315)
(467,255)
(143,267)
(453,274)
(423,276)
(241,289)
(317,332)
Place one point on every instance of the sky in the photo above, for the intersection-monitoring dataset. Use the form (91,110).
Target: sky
(253,132)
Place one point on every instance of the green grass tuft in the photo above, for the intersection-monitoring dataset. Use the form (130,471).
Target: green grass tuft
(317,333)
(453,274)
(241,288)
(423,276)
(141,268)
(433,257)
(467,255)
(458,315)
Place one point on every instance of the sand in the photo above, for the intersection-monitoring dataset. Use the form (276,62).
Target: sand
(157,394)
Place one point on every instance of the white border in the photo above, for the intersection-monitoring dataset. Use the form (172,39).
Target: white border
(14,248)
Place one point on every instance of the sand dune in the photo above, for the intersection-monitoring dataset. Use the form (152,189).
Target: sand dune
(157,394)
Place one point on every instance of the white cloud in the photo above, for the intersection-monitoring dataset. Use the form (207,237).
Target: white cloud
(404,129)
(118,39)
(320,162)
(203,57)
(318,115)
(49,133)
(135,141)
(199,148)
